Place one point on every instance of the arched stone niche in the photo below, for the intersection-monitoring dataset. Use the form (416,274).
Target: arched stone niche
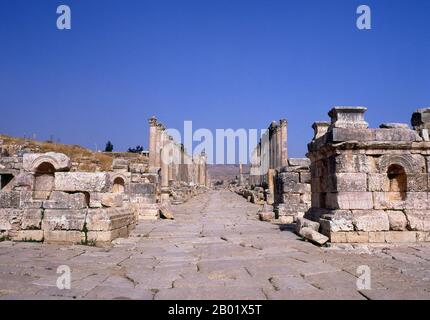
(409,163)
(59,161)
(398,182)
(119,182)
(44,180)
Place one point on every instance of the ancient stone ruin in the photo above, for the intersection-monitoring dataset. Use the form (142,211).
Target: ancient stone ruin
(282,184)
(46,196)
(370,185)
(357,185)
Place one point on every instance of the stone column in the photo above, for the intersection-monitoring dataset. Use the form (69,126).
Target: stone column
(201,170)
(152,142)
(283,147)
(159,144)
(258,177)
(275,147)
(271,146)
(271,187)
(164,158)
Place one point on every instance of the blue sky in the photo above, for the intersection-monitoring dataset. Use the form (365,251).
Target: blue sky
(220,63)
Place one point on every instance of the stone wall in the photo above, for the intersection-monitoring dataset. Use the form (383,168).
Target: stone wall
(181,175)
(41,200)
(370,185)
(282,184)
(293,189)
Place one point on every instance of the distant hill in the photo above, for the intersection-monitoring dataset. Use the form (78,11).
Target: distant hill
(225,172)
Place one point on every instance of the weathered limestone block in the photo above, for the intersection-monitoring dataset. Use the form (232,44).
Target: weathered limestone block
(108,219)
(9,199)
(418,220)
(146,211)
(382,201)
(357,237)
(10,219)
(137,167)
(63,237)
(378,182)
(423,236)
(396,134)
(302,222)
(417,200)
(120,165)
(31,161)
(337,221)
(54,219)
(289,177)
(349,182)
(351,134)
(63,200)
(350,162)
(166,212)
(82,181)
(142,188)
(95,200)
(400,237)
(107,236)
(305,177)
(348,117)
(291,198)
(337,237)
(266,216)
(29,235)
(349,200)
(299,162)
(371,220)
(286,219)
(417,182)
(294,187)
(111,199)
(32,219)
(291,209)
(27,202)
(397,220)
(313,236)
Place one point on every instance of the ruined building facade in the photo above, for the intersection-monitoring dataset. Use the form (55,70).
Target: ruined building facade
(371,185)
(46,196)
(282,183)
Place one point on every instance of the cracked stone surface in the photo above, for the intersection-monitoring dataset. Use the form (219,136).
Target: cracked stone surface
(215,249)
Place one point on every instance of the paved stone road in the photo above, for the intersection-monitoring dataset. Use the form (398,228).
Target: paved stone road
(215,249)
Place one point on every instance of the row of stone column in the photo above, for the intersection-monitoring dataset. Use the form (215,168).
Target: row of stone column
(271,152)
(171,159)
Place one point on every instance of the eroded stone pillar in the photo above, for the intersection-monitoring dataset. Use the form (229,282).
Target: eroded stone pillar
(271,186)
(283,137)
(164,159)
(159,144)
(153,132)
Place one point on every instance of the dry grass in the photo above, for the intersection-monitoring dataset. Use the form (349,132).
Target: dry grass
(75,152)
